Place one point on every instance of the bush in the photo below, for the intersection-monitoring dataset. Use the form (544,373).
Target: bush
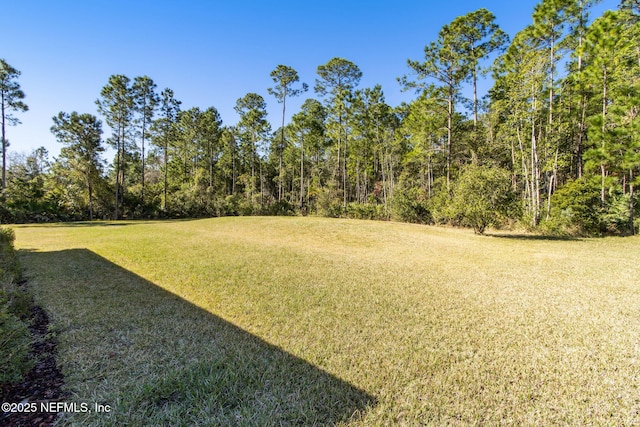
(231,205)
(15,346)
(409,204)
(617,214)
(366,211)
(280,208)
(9,265)
(575,209)
(15,307)
(248,207)
(440,206)
(482,197)
(330,202)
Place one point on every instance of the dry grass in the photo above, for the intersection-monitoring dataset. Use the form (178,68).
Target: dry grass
(305,320)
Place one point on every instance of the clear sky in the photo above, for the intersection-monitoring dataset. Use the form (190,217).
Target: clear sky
(213,52)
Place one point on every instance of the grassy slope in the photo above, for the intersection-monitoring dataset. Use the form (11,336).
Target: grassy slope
(290,318)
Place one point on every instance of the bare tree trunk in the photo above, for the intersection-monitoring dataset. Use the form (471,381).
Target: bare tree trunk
(233,170)
(122,166)
(210,164)
(261,187)
(551,83)
(166,149)
(144,128)
(358,183)
(528,195)
(253,167)
(281,148)
(384,181)
(552,184)
(514,182)
(583,98)
(475,98)
(118,154)
(344,161)
(90,187)
(301,174)
(603,168)
(449,136)
(4,149)
(631,203)
(550,129)
(535,178)
(392,183)
(581,128)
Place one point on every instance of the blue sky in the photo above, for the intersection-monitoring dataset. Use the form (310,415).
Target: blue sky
(213,52)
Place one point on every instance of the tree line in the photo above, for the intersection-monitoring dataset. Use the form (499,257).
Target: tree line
(554,146)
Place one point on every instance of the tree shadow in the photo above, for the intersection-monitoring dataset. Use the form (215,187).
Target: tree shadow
(158,359)
(115,223)
(97,223)
(532,237)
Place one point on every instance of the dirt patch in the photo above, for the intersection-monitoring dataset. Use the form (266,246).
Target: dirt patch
(43,383)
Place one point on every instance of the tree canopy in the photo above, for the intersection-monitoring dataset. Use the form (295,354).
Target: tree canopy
(559,124)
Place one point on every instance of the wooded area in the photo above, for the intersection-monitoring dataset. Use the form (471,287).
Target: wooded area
(554,146)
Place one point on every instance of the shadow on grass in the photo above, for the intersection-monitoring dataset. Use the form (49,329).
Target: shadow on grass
(533,237)
(158,359)
(115,223)
(99,223)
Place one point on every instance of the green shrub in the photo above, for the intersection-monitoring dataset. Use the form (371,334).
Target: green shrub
(575,209)
(482,197)
(330,202)
(366,211)
(440,207)
(617,214)
(280,208)
(15,346)
(19,301)
(15,308)
(9,265)
(410,204)
(248,207)
(231,204)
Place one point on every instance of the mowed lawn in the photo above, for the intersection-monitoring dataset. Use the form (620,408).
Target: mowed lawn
(312,321)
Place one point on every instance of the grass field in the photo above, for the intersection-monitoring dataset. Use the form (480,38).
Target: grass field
(277,321)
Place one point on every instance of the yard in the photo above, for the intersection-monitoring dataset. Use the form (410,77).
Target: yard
(276,320)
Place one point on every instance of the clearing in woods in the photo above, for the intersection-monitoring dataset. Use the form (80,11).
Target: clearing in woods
(262,321)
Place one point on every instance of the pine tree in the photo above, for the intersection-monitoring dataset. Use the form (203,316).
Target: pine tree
(337,80)
(604,45)
(11,97)
(308,128)
(81,135)
(284,77)
(253,130)
(145,101)
(516,99)
(478,37)
(445,64)
(117,106)
(164,133)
